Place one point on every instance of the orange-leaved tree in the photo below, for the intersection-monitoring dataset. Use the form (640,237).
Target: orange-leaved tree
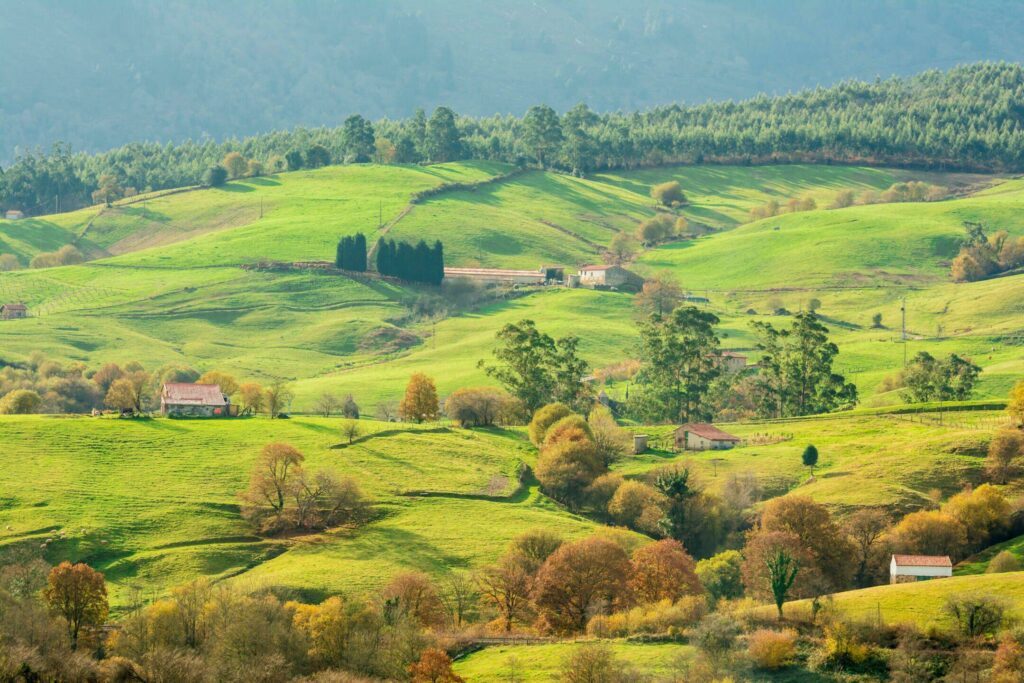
(77,593)
(420,400)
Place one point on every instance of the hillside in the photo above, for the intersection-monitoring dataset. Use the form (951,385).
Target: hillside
(175,294)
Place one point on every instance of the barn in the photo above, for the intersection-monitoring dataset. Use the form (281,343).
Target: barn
(612,277)
(13,311)
(181,399)
(704,437)
(910,568)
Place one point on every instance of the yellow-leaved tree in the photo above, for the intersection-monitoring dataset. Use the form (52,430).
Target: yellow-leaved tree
(420,400)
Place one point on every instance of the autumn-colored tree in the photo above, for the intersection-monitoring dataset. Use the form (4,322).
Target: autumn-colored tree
(20,402)
(543,419)
(1008,664)
(668,194)
(476,406)
(434,666)
(109,189)
(570,428)
(565,468)
(930,532)
(660,295)
(765,569)
(984,513)
(813,525)
(1015,406)
(656,229)
(577,577)
(663,571)
(505,586)
(227,383)
(251,397)
(532,548)
(128,392)
(106,375)
(272,484)
(78,593)
(1005,447)
(414,595)
(612,441)
(638,506)
(865,529)
(420,400)
(235,163)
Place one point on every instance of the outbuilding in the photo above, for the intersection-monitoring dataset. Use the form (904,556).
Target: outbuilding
(180,399)
(14,215)
(910,568)
(13,311)
(612,277)
(704,437)
(733,361)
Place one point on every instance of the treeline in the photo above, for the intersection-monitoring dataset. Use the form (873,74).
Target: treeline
(419,263)
(968,118)
(351,253)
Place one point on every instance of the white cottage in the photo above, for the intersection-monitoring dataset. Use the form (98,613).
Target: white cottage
(910,568)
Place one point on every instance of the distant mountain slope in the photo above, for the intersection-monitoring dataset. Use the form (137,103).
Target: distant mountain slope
(100,74)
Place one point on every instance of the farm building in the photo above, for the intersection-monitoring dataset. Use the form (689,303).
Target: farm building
(610,276)
(910,568)
(541,276)
(13,311)
(733,362)
(13,215)
(703,437)
(194,400)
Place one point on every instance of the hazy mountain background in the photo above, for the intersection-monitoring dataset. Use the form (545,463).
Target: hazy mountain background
(101,73)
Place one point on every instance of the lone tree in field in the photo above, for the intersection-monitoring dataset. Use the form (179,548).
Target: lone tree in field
(277,397)
(215,176)
(668,194)
(810,457)
(273,479)
(420,400)
(79,595)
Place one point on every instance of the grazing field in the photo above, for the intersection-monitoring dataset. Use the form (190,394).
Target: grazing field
(544,662)
(921,603)
(154,502)
(883,461)
(175,293)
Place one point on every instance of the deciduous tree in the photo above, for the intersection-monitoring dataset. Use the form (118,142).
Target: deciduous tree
(663,571)
(78,593)
(420,400)
(576,578)
(506,587)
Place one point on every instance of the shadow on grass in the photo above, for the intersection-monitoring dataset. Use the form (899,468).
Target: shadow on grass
(392,432)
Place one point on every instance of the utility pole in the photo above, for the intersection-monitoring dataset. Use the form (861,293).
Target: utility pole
(380,214)
(261,206)
(903,328)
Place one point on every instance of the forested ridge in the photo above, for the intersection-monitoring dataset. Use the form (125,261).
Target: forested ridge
(968,118)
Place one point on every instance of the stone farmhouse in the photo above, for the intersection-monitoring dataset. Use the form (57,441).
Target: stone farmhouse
(194,400)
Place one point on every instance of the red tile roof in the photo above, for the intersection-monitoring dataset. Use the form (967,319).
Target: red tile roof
(708,431)
(180,393)
(923,560)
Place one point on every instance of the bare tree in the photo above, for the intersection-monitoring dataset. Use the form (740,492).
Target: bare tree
(327,404)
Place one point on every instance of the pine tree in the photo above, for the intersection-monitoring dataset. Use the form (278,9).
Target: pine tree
(438,262)
(359,253)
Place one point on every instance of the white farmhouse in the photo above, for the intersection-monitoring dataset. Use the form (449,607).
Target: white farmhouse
(910,568)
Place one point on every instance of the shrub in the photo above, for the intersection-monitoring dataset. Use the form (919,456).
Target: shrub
(1004,562)
(770,649)
(65,256)
(638,506)
(658,618)
(476,406)
(20,402)
(568,428)
(721,575)
(715,637)
(544,418)
(215,176)
(840,650)
(976,614)
(656,229)
(668,194)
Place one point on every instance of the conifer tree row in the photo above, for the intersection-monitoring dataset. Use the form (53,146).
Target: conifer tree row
(419,263)
(351,254)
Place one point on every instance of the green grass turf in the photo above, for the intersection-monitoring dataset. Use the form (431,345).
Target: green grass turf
(544,662)
(154,502)
(978,563)
(922,603)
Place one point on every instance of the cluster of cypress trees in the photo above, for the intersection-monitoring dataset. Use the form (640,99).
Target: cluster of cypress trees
(351,253)
(420,263)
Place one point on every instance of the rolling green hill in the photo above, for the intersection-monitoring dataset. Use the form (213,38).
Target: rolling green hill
(174,293)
